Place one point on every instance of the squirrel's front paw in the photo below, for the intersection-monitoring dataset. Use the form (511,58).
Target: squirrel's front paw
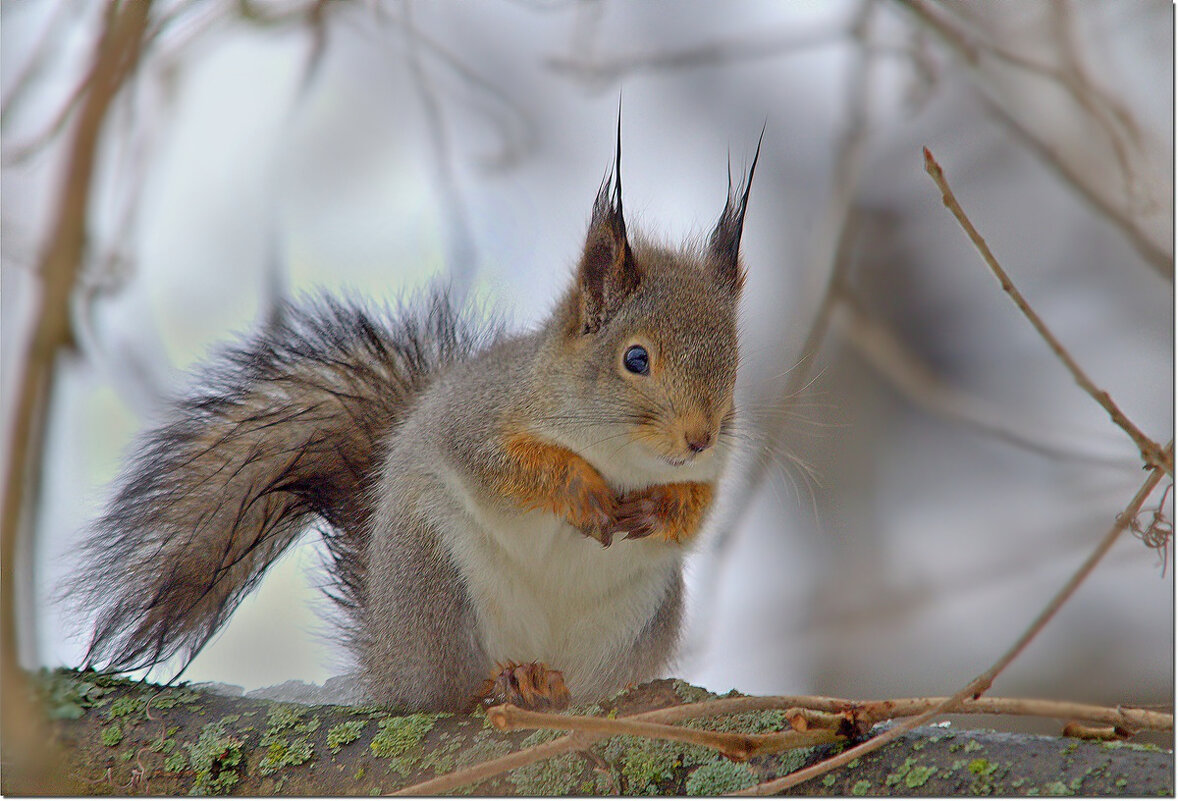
(673,512)
(638,514)
(531,686)
(593,508)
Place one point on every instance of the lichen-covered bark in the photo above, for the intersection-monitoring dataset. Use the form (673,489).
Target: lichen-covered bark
(132,738)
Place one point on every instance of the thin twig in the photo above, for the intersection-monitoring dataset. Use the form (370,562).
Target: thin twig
(116,54)
(982,683)
(1099,106)
(1151,452)
(737,746)
(817,711)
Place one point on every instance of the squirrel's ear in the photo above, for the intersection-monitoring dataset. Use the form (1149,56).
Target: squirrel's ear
(607,273)
(724,243)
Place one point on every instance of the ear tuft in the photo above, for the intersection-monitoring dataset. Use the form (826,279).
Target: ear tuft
(607,273)
(725,240)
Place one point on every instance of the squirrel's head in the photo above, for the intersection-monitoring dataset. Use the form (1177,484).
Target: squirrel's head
(655,335)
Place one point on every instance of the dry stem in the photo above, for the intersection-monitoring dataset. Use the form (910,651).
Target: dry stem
(1151,452)
(818,712)
(982,683)
(115,55)
(737,746)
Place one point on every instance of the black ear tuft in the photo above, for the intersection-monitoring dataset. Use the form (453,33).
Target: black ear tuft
(607,273)
(725,241)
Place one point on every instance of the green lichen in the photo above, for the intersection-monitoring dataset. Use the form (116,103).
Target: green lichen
(172,697)
(899,774)
(720,778)
(126,705)
(794,759)
(175,762)
(918,775)
(971,746)
(214,757)
(861,787)
(398,738)
(645,763)
(828,780)
(343,733)
(560,775)
(689,692)
(1057,788)
(643,771)
(398,734)
(112,735)
(539,737)
(283,751)
(483,750)
(982,767)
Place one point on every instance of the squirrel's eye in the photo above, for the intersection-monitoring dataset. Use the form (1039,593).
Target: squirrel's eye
(637,360)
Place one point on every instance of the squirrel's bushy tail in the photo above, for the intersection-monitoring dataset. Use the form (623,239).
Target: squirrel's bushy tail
(285,430)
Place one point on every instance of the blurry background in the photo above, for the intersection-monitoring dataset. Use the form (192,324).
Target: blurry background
(922,474)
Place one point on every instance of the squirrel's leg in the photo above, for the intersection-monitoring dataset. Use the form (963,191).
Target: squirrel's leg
(533,685)
(554,479)
(673,512)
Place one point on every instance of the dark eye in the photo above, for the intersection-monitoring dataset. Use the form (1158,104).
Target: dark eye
(637,360)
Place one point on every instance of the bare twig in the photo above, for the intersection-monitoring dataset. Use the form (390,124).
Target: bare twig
(983,682)
(1158,532)
(737,746)
(1151,452)
(115,56)
(817,712)
(1152,237)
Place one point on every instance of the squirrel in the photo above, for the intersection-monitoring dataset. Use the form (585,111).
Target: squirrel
(469,484)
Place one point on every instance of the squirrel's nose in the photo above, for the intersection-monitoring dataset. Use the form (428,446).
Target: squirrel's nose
(699,441)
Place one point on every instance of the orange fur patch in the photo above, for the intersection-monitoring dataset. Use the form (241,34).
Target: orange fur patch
(554,479)
(672,512)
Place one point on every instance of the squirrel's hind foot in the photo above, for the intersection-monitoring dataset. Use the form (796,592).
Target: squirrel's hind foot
(533,685)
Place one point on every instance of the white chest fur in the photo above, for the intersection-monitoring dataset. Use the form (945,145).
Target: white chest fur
(543,592)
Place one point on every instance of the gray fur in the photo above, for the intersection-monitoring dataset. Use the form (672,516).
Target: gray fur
(387,431)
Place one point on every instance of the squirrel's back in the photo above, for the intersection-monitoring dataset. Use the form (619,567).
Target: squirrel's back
(283,431)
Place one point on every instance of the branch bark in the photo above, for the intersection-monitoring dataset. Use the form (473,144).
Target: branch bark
(132,738)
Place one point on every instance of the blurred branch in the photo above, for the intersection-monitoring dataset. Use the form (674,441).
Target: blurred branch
(831,260)
(982,682)
(1151,452)
(116,54)
(752,46)
(461,255)
(880,347)
(27,75)
(1137,197)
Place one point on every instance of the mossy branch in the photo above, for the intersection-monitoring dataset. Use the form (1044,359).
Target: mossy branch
(132,738)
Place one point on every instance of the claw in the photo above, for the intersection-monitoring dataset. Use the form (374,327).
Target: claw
(532,685)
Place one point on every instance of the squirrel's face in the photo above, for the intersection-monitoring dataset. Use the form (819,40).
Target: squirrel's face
(668,359)
(655,334)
